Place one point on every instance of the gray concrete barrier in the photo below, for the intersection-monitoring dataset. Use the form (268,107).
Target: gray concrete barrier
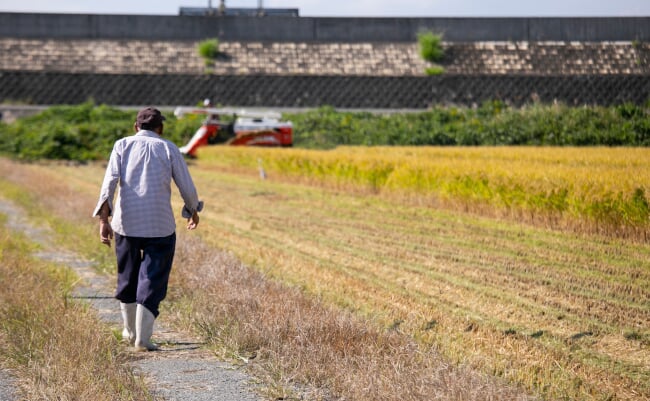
(310,29)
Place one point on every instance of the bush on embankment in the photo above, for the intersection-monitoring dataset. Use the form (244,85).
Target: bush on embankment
(87,132)
(494,123)
(83,132)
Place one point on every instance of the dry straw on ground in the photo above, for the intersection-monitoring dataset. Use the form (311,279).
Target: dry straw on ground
(57,347)
(292,339)
(563,315)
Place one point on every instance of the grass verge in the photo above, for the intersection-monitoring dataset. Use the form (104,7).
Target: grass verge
(56,345)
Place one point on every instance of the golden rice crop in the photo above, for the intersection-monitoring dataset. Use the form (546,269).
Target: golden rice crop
(598,188)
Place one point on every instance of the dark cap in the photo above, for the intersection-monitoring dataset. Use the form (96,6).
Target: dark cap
(149,118)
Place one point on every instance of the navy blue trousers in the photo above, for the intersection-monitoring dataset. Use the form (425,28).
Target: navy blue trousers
(143,267)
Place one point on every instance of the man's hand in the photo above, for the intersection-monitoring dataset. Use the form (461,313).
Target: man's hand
(105,232)
(105,229)
(193,221)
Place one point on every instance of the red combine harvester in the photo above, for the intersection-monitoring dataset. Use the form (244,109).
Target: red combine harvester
(248,128)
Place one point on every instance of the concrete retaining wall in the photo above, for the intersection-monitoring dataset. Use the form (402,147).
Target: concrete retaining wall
(300,29)
(308,58)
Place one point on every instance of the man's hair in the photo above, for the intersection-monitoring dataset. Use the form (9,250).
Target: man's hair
(149,126)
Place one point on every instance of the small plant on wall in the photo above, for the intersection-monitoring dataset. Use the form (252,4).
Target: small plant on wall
(208,50)
(434,70)
(432,51)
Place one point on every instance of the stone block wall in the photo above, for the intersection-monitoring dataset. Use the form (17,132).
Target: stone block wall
(302,58)
(549,58)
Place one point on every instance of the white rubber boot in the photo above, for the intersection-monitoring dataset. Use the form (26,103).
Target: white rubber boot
(128,316)
(143,329)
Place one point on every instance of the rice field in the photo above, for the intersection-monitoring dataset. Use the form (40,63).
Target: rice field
(563,313)
(599,189)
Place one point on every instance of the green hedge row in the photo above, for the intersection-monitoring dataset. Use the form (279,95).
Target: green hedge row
(493,123)
(87,132)
(83,132)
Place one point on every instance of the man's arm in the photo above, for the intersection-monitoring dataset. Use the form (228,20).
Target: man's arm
(105,229)
(109,185)
(185,184)
(104,207)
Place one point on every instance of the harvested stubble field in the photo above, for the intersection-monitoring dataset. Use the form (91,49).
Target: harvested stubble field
(563,313)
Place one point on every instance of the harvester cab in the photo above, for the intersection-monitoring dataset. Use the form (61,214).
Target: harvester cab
(247,128)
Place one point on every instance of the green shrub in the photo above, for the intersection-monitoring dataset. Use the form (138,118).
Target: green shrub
(208,49)
(431,46)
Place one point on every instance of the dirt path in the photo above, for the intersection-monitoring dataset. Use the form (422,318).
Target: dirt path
(182,370)
(7,385)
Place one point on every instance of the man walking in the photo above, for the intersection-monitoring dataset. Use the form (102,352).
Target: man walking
(142,223)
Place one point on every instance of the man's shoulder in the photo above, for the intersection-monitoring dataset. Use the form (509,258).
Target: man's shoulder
(143,140)
(171,149)
(149,137)
(171,145)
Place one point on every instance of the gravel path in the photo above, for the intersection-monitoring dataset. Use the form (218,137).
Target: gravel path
(7,385)
(182,370)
